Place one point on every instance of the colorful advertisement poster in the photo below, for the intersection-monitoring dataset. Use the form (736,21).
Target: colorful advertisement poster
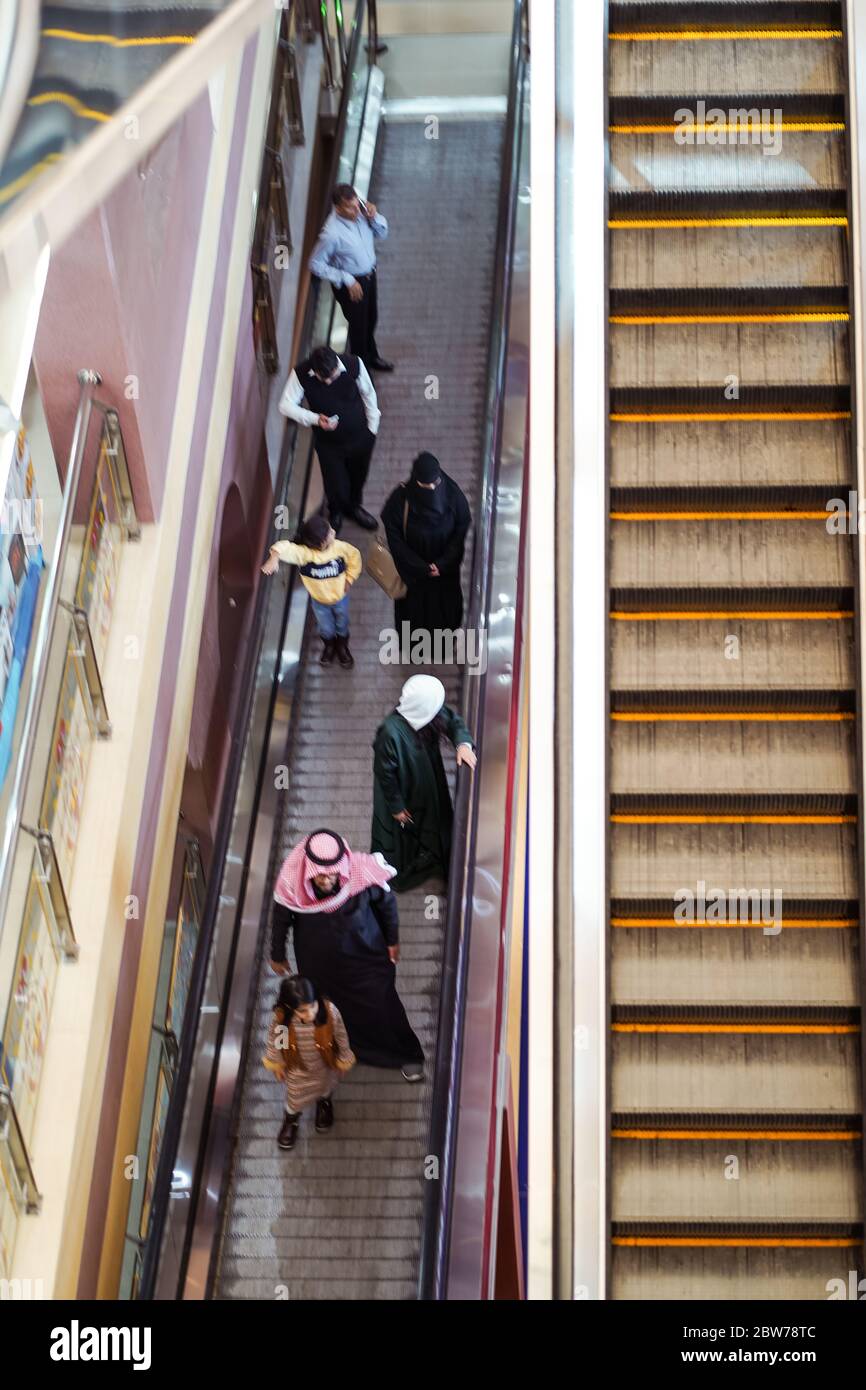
(20,573)
(8,1214)
(25,1035)
(101,559)
(67,770)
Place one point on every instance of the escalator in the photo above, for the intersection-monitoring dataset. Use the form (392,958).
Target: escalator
(353,1214)
(736,874)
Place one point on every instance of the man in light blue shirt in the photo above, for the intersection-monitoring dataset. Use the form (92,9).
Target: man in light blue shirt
(345,254)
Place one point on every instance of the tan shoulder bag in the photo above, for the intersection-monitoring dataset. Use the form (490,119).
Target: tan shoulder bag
(380,561)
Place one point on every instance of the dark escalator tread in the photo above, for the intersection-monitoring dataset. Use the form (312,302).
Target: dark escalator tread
(362,1183)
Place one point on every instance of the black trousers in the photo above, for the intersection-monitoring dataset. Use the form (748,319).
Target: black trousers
(344,470)
(361,318)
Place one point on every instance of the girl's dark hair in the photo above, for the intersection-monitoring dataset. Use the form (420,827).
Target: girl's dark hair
(314,531)
(296,991)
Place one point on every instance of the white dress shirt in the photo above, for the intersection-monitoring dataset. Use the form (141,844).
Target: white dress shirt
(293,395)
(346,247)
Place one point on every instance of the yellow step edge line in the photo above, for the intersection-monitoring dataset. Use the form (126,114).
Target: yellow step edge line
(759,1135)
(663,223)
(663,320)
(751,1242)
(73,103)
(733,717)
(696,35)
(664,923)
(761,615)
(686,818)
(751,1028)
(112,41)
(11,190)
(734,416)
(726,516)
(800,127)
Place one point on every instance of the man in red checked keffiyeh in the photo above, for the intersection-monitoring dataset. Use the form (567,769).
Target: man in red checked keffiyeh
(345,933)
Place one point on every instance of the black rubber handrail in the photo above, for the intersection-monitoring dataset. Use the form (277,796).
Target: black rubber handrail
(198,979)
(439,1195)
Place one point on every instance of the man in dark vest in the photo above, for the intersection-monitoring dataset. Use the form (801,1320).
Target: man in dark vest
(344,415)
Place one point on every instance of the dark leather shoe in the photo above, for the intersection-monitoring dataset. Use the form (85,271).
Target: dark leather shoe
(379,364)
(329,651)
(337,521)
(324,1114)
(287,1137)
(344,656)
(365,519)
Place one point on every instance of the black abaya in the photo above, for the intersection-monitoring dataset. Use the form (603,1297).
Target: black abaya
(345,954)
(435,534)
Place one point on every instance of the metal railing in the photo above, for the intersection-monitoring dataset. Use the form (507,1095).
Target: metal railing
(438,1196)
(306,20)
(272,235)
(188,1119)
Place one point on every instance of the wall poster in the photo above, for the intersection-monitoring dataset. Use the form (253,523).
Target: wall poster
(100,561)
(25,1033)
(67,770)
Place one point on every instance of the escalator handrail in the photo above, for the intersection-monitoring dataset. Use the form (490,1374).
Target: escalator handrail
(162,1194)
(439,1194)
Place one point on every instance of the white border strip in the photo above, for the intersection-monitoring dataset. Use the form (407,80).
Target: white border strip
(588,583)
(541,636)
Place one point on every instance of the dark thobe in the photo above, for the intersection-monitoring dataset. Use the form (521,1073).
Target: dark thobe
(435,534)
(409,775)
(345,954)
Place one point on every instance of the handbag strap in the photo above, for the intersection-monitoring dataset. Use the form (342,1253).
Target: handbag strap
(405,516)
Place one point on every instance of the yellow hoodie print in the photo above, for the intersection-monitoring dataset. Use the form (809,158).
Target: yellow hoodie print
(328,574)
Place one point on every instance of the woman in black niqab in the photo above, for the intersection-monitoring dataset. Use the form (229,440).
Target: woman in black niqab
(426,520)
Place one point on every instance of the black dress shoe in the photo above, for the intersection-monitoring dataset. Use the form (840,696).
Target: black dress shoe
(324,1114)
(365,519)
(344,656)
(337,521)
(288,1134)
(379,364)
(329,651)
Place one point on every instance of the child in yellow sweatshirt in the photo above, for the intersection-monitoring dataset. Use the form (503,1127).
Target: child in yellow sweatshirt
(328,569)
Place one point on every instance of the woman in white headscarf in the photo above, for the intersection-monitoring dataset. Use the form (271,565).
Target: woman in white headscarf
(412,811)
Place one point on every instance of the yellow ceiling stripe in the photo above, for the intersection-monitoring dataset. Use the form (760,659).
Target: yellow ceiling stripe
(74,104)
(11,190)
(112,41)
